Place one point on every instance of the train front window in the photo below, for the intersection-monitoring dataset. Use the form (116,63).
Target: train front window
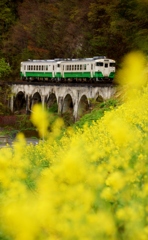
(99,64)
(106,65)
(112,64)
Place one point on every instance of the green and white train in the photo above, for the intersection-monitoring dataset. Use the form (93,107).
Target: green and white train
(69,70)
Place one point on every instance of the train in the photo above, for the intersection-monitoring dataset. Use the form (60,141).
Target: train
(95,69)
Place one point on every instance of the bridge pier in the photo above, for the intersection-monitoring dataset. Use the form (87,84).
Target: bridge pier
(60,105)
(27,104)
(75,110)
(43,101)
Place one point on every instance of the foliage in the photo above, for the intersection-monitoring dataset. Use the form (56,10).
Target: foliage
(7,17)
(98,111)
(23,122)
(5,69)
(90,184)
(53,108)
(5,94)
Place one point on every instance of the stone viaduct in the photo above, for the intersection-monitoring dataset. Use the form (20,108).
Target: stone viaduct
(67,98)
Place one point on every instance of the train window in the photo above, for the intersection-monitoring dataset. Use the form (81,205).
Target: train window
(53,67)
(106,65)
(99,64)
(46,67)
(77,67)
(112,64)
(91,66)
(80,66)
(29,67)
(42,67)
(63,67)
(24,67)
(37,67)
(84,66)
(58,65)
(72,67)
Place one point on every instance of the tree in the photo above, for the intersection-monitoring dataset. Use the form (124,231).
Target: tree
(5,69)
(141,34)
(7,18)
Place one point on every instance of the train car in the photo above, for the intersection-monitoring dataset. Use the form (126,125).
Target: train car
(104,68)
(36,70)
(79,70)
(89,69)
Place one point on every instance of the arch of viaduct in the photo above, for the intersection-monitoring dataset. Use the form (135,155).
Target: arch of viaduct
(73,99)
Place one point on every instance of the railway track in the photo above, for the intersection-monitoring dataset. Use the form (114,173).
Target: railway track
(84,84)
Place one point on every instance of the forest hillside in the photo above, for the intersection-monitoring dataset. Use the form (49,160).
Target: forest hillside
(49,29)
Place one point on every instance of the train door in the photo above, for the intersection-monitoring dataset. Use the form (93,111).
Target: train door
(53,70)
(59,72)
(106,68)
